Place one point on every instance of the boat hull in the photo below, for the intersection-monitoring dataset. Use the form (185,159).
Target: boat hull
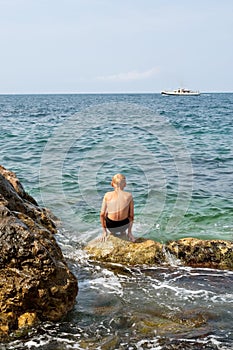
(180,93)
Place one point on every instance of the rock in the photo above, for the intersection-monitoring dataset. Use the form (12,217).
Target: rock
(13,196)
(195,252)
(187,251)
(35,281)
(164,324)
(27,319)
(116,250)
(18,187)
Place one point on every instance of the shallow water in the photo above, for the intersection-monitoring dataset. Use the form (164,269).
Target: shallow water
(141,308)
(177,155)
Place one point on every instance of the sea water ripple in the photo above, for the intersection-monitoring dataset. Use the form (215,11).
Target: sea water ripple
(176,307)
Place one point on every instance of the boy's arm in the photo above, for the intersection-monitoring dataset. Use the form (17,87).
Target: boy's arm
(131,219)
(102,219)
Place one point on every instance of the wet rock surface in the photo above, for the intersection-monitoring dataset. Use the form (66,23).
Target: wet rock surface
(217,254)
(116,250)
(192,252)
(35,281)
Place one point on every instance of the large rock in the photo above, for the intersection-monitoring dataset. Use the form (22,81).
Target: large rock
(35,281)
(203,253)
(14,197)
(116,250)
(187,251)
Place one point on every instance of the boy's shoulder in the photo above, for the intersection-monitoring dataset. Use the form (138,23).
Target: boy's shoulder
(128,194)
(108,195)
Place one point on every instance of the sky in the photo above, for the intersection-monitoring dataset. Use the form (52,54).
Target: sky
(114,46)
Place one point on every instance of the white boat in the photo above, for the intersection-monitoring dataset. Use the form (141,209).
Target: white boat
(181,92)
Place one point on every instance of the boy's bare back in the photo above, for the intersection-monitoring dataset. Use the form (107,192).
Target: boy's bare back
(118,204)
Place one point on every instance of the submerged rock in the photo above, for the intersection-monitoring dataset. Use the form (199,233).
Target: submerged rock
(35,281)
(187,251)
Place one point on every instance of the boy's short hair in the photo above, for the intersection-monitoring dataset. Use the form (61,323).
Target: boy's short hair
(118,179)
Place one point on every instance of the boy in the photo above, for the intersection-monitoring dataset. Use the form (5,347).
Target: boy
(117,211)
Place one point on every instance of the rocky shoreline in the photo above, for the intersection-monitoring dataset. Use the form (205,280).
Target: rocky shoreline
(35,281)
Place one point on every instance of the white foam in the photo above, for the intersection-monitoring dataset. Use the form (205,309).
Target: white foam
(107,282)
(223,298)
(148,344)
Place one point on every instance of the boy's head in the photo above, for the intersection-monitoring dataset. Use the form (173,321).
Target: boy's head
(119,181)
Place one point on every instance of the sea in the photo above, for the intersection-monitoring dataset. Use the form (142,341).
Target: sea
(177,155)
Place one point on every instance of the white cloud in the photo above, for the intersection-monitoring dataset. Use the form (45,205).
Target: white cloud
(130,76)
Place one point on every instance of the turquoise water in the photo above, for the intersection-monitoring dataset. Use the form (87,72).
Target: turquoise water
(177,155)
